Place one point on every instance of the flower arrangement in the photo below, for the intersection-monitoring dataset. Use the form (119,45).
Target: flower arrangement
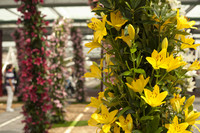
(35,92)
(145,39)
(57,67)
(79,70)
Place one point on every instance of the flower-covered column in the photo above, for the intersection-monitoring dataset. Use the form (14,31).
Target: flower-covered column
(35,93)
(57,67)
(144,68)
(79,69)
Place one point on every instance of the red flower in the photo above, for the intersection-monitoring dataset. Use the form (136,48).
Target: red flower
(19,21)
(40,81)
(38,61)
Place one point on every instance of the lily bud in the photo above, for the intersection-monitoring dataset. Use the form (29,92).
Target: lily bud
(131,31)
(190,101)
(164,43)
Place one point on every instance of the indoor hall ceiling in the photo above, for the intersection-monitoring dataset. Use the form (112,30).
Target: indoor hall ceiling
(79,11)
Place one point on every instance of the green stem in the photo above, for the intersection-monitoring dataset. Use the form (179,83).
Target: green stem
(151,78)
(159,44)
(157,72)
(162,77)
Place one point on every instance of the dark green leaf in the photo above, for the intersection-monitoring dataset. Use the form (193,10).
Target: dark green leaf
(122,111)
(147,118)
(135,3)
(159,130)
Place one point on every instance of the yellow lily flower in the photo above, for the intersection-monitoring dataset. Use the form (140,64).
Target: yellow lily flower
(117,20)
(164,43)
(92,122)
(177,102)
(175,127)
(92,45)
(195,66)
(189,102)
(99,27)
(188,43)
(96,102)
(116,128)
(191,117)
(126,124)
(173,63)
(157,60)
(95,72)
(128,39)
(106,118)
(139,84)
(182,22)
(154,98)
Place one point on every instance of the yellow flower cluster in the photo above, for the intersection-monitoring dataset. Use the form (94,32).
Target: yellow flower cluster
(108,118)
(147,71)
(190,118)
(161,60)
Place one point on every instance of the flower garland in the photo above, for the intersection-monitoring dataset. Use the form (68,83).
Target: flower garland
(79,70)
(144,97)
(57,47)
(35,93)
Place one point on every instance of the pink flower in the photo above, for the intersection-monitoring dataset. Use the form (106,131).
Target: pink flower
(28,40)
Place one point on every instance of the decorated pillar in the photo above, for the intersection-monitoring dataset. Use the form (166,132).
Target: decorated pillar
(1,89)
(79,69)
(35,93)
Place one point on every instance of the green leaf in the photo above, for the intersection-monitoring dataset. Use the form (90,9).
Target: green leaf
(157,76)
(159,130)
(136,131)
(152,126)
(126,73)
(147,118)
(142,71)
(133,50)
(128,5)
(106,3)
(129,79)
(107,84)
(135,3)
(122,111)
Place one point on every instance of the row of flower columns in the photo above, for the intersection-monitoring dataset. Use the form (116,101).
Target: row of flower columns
(36,92)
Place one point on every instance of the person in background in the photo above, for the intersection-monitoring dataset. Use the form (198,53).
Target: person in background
(10,87)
